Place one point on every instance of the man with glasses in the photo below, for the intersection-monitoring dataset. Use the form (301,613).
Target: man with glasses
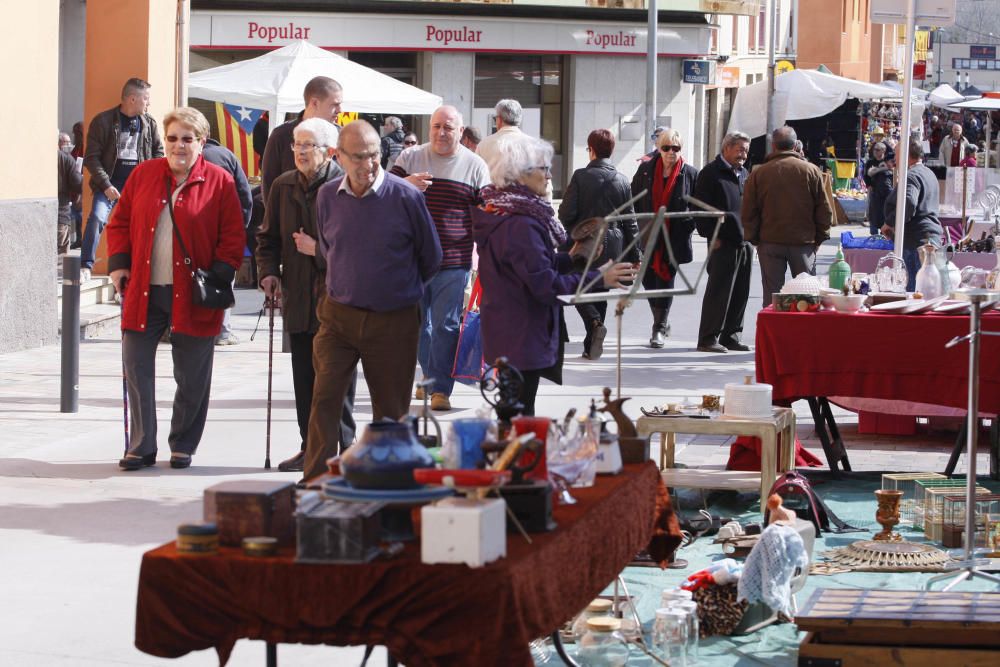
(381,248)
(117,141)
(323,97)
(450,176)
(720,184)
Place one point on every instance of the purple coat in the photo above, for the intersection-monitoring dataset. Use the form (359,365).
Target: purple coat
(522,277)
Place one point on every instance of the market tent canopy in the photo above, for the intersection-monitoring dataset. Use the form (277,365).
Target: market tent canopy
(800,93)
(944,95)
(275,81)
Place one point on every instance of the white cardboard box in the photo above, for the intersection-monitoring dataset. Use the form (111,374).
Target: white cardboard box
(459,530)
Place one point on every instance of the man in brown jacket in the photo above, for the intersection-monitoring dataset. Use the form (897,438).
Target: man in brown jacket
(785,213)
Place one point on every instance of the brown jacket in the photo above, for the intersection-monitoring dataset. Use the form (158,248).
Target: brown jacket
(102,146)
(292,206)
(784,202)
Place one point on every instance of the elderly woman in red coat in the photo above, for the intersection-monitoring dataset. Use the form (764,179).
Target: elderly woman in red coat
(148,269)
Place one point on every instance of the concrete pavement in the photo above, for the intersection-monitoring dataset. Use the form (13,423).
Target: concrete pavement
(73,527)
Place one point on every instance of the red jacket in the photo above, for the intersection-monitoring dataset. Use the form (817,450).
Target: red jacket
(209,219)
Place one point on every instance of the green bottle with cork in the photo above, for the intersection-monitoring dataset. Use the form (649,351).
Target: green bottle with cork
(840,271)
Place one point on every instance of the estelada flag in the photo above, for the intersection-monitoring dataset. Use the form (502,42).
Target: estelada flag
(236,125)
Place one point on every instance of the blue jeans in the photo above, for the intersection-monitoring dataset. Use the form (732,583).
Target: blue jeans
(100,210)
(912,260)
(442,310)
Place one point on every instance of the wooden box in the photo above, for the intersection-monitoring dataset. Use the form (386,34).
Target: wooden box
(889,627)
(251,508)
(332,531)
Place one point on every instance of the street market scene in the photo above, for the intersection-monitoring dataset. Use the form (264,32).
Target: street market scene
(501,332)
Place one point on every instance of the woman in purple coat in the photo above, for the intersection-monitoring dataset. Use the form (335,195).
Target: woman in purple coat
(520,271)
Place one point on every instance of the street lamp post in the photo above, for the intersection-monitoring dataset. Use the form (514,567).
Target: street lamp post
(940,51)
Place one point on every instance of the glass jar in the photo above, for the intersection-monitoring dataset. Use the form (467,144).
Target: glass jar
(599,646)
(598,607)
(690,607)
(670,595)
(670,636)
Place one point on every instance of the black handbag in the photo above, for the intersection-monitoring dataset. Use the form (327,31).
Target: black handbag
(207,290)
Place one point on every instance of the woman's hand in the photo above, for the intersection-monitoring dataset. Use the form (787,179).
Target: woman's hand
(118,278)
(614,274)
(304,243)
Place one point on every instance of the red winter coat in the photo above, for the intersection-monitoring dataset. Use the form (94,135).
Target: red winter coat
(209,219)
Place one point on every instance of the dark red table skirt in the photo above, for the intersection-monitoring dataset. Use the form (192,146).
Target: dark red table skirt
(872,355)
(424,614)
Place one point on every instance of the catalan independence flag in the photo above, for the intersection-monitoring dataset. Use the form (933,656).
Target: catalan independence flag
(236,125)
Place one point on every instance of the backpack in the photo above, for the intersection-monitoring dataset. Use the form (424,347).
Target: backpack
(809,506)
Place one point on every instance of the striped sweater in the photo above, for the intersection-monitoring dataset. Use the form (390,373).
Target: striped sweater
(451,196)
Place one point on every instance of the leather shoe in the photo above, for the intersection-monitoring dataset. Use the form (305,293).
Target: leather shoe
(735,346)
(295,464)
(597,335)
(132,462)
(712,347)
(659,337)
(419,394)
(180,461)
(440,402)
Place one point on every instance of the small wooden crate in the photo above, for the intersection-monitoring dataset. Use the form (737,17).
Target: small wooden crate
(875,628)
(251,508)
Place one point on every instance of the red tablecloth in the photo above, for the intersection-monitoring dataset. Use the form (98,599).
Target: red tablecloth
(425,614)
(869,355)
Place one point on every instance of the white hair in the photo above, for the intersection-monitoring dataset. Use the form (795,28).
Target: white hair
(518,155)
(324,132)
(509,111)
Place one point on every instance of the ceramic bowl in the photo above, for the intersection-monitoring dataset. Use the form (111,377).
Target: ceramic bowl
(848,303)
(800,303)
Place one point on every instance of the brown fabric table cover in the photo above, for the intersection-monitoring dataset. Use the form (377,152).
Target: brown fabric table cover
(424,614)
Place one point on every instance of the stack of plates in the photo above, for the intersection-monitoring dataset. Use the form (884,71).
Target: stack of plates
(909,306)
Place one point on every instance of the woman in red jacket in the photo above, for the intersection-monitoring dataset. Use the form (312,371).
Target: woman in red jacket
(148,269)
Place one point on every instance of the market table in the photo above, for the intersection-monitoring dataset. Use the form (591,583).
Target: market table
(423,614)
(864,260)
(874,356)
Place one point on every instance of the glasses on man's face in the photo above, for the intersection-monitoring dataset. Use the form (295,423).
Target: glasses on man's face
(305,147)
(373,156)
(667,149)
(173,139)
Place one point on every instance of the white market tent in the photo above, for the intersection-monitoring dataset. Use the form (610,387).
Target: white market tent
(981,104)
(799,94)
(275,80)
(944,95)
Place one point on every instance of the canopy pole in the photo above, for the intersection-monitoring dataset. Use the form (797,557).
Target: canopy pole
(652,32)
(903,148)
(182,64)
(772,47)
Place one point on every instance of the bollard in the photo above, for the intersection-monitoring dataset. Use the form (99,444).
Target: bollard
(69,392)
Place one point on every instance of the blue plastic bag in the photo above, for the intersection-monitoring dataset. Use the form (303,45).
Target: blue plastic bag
(469,364)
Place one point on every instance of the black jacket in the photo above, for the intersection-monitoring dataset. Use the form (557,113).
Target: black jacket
(102,146)
(595,191)
(921,219)
(718,186)
(392,146)
(278,157)
(70,183)
(680,228)
(221,156)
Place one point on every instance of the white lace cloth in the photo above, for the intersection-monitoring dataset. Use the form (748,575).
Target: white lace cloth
(767,573)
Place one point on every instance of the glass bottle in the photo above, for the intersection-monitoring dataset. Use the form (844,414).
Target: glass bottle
(690,608)
(670,633)
(929,281)
(840,271)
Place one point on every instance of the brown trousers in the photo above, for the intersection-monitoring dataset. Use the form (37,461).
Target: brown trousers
(384,343)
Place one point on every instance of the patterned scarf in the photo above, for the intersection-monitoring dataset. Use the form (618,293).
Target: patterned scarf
(517,199)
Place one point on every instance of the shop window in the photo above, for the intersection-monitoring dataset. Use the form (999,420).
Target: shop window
(761,27)
(534,81)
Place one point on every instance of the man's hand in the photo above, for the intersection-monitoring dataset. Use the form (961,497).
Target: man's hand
(614,274)
(112,194)
(271,286)
(118,278)
(304,243)
(422,180)
(887,231)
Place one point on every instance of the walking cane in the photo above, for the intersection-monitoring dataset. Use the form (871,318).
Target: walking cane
(269,304)
(121,316)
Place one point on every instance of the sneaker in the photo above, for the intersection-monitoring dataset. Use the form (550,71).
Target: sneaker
(84,276)
(231,339)
(419,394)
(597,341)
(440,402)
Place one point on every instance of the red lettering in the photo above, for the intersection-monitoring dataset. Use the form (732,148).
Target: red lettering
(252,28)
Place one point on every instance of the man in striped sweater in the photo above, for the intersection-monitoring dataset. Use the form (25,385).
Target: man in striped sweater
(450,176)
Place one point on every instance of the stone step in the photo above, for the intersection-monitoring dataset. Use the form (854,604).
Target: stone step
(97,321)
(95,291)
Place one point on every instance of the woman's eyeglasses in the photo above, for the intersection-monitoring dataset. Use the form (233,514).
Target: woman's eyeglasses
(409,143)
(305,148)
(173,139)
(667,149)
(544,168)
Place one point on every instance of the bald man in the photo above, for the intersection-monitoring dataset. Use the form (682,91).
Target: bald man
(450,176)
(381,247)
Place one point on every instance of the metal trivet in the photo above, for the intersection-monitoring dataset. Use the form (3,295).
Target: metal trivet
(872,556)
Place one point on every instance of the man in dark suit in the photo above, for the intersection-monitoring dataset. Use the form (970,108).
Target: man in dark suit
(720,184)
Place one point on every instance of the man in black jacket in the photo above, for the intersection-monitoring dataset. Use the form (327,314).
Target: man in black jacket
(594,192)
(920,220)
(720,184)
(117,141)
(70,182)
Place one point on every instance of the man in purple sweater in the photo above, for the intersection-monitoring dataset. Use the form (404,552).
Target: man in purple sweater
(381,248)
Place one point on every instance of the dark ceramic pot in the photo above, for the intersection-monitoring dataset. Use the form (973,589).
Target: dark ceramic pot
(385,457)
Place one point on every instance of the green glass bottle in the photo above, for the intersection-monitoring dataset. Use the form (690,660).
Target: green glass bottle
(840,271)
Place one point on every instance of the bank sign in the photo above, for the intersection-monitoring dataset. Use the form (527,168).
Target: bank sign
(367,32)
(699,72)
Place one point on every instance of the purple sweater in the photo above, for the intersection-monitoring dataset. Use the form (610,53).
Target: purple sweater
(380,249)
